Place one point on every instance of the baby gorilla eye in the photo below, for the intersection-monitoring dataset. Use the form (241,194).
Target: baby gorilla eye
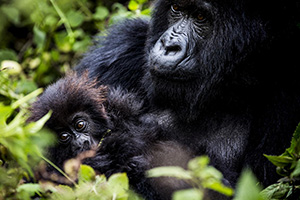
(80,125)
(64,137)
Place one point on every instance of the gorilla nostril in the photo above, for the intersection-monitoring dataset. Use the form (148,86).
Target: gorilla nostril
(86,145)
(172,50)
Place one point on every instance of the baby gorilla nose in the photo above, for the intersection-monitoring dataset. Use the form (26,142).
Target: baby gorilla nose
(81,143)
(86,145)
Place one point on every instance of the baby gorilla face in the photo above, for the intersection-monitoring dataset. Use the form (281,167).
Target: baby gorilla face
(78,116)
(77,132)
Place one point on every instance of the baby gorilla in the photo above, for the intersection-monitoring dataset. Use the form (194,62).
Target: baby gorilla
(84,114)
(78,117)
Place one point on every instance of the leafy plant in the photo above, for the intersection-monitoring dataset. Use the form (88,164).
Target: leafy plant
(49,36)
(199,174)
(92,186)
(288,166)
(248,187)
(21,144)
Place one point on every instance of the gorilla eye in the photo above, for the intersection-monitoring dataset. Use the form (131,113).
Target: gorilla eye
(200,17)
(64,137)
(175,8)
(80,125)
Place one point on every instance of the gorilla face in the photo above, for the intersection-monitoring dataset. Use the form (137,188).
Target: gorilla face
(75,132)
(193,45)
(171,56)
(78,116)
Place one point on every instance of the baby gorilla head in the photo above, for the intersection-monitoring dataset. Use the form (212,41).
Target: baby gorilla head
(78,117)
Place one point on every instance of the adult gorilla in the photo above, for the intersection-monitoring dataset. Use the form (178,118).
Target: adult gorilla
(226,72)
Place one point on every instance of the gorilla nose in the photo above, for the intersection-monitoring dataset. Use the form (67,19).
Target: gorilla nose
(169,51)
(86,145)
(171,48)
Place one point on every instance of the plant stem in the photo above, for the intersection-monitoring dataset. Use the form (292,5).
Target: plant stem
(59,170)
(64,20)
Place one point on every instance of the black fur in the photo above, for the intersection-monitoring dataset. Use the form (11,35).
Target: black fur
(131,142)
(120,57)
(135,144)
(243,100)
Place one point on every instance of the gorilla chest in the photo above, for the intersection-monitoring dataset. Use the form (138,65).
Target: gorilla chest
(222,138)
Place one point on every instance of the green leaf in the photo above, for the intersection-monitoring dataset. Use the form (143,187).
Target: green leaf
(75,18)
(146,12)
(39,37)
(189,194)
(141,1)
(295,144)
(277,191)
(29,189)
(63,192)
(86,174)
(63,42)
(11,13)
(51,20)
(171,171)
(34,127)
(120,180)
(280,161)
(219,187)
(296,172)
(8,55)
(82,46)
(101,13)
(247,187)
(133,5)
(5,112)
(26,86)
(119,185)
(198,163)
(208,173)
(100,180)
(27,98)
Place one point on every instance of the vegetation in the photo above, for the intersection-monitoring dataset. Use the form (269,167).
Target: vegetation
(47,37)
(42,39)
(288,166)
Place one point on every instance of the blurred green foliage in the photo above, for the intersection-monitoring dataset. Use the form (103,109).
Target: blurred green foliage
(48,37)
(21,143)
(199,174)
(91,186)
